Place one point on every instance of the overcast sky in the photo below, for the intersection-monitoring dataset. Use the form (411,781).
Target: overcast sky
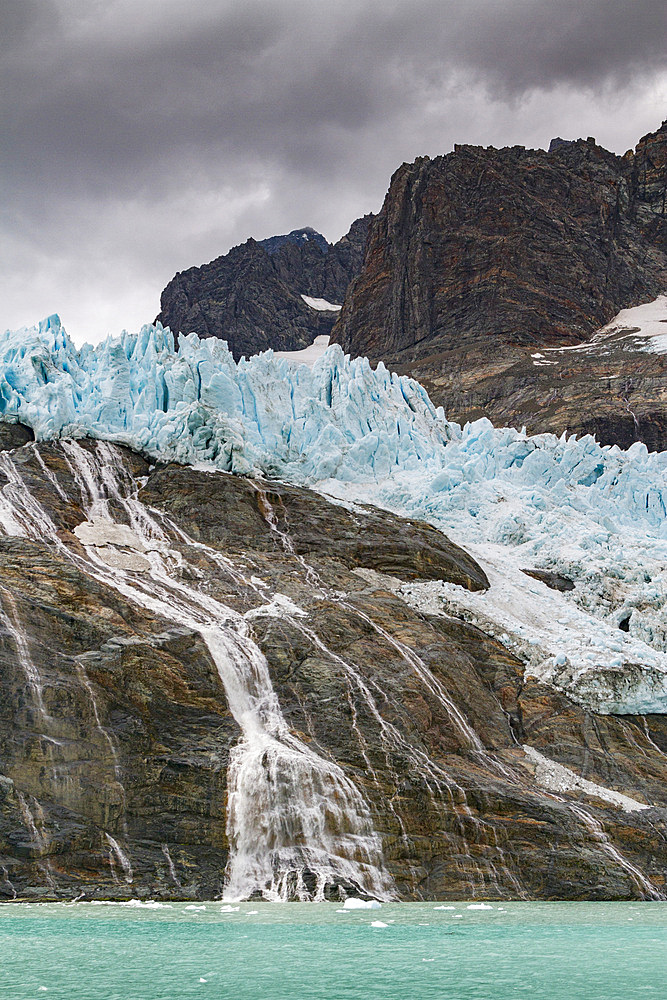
(141,137)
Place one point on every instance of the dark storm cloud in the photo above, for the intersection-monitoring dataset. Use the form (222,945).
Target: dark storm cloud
(22,20)
(252,78)
(120,117)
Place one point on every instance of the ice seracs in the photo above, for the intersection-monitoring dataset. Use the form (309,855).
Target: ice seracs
(596,515)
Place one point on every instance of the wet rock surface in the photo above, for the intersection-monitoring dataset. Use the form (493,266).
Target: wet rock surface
(483,257)
(116,733)
(252,296)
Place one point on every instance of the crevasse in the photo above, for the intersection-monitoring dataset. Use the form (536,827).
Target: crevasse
(595,513)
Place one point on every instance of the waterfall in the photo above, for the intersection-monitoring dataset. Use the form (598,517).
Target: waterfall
(33,819)
(13,626)
(597,834)
(442,789)
(117,851)
(172,866)
(296,824)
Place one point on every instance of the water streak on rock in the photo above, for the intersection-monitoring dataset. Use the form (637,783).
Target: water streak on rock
(296,824)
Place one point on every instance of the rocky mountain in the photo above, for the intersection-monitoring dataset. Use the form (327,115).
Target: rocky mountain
(225,670)
(211,683)
(253,296)
(484,257)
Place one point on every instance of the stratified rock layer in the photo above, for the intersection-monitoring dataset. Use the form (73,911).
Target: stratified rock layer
(115,729)
(252,296)
(483,256)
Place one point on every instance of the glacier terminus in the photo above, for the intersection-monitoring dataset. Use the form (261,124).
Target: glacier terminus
(594,515)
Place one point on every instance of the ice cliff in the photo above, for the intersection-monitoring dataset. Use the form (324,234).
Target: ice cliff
(593,514)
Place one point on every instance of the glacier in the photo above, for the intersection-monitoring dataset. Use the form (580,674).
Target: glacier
(594,514)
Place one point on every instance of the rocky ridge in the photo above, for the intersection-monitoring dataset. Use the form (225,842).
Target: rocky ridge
(252,296)
(116,733)
(483,257)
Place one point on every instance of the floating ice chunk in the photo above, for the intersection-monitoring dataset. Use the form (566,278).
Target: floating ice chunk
(151,904)
(353,903)
(192,907)
(444,907)
(227,908)
(379,923)
(479,906)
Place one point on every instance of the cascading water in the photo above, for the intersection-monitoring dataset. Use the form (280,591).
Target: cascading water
(116,852)
(598,835)
(172,867)
(33,819)
(441,787)
(13,628)
(297,826)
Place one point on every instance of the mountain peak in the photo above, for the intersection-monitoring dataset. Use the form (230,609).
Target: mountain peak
(298,237)
(252,297)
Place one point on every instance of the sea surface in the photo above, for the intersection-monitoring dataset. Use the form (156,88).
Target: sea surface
(293,951)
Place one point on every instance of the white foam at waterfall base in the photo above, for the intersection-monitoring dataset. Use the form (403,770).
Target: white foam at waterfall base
(594,514)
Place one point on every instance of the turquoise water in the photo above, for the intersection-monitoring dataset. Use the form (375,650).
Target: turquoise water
(556,951)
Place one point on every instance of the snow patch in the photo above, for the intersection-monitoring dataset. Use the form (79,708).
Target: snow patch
(647,323)
(320,304)
(644,327)
(309,355)
(556,777)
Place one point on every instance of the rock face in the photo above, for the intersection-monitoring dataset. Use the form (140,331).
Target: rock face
(252,296)
(612,386)
(650,162)
(484,256)
(119,736)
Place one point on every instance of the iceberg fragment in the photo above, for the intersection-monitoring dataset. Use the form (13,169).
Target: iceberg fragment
(354,903)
